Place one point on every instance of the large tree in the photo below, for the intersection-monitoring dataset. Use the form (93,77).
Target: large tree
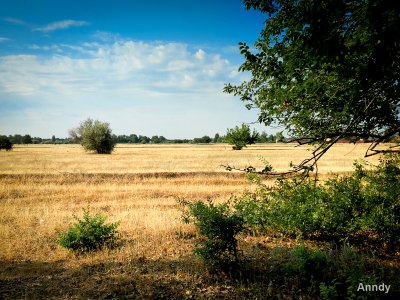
(326,70)
(94,135)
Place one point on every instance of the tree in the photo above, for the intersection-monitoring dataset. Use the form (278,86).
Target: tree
(326,70)
(240,137)
(279,138)
(53,139)
(16,139)
(262,138)
(5,143)
(203,140)
(144,139)
(94,135)
(155,139)
(133,138)
(216,138)
(26,139)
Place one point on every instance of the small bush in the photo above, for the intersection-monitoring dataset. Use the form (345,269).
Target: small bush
(88,234)
(218,226)
(306,261)
(333,273)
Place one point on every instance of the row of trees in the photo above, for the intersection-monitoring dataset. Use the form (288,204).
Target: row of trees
(28,139)
(95,135)
(142,139)
(139,139)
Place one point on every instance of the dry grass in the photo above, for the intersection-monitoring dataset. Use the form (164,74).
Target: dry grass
(41,187)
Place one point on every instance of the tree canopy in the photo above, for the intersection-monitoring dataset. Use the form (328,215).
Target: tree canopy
(239,137)
(5,143)
(325,70)
(94,135)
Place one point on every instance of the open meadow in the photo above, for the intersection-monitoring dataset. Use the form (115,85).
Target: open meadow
(42,187)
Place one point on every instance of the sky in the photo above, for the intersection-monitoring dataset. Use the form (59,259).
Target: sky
(146,67)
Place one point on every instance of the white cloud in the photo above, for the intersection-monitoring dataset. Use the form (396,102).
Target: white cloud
(160,67)
(64,24)
(4,39)
(200,54)
(126,82)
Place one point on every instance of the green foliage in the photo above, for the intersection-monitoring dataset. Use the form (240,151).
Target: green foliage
(88,234)
(218,226)
(239,137)
(305,261)
(94,135)
(203,140)
(325,68)
(26,139)
(363,205)
(5,143)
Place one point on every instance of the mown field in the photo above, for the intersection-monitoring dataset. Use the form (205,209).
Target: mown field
(42,187)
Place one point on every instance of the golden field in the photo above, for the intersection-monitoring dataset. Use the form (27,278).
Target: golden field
(42,187)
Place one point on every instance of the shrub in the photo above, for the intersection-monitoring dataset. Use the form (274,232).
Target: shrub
(363,205)
(94,135)
(218,226)
(334,273)
(5,143)
(306,261)
(88,234)
(239,137)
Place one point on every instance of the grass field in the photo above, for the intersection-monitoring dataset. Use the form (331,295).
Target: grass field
(42,187)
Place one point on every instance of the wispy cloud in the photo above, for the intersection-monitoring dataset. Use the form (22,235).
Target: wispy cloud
(15,21)
(4,39)
(59,25)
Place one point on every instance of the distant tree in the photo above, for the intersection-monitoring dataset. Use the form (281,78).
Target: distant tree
(53,139)
(203,140)
(134,139)
(94,135)
(216,138)
(240,137)
(26,139)
(279,138)
(16,139)
(155,139)
(271,138)
(263,137)
(144,139)
(162,139)
(5,143)
(38,140)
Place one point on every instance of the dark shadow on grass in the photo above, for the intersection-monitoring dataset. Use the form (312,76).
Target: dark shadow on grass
(267,271)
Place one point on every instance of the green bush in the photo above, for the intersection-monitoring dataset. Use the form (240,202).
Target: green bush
(364,205)
(306,261)
(88,234)
(333,273)
(218,226)
(94,135)
(240,137)
(5,143)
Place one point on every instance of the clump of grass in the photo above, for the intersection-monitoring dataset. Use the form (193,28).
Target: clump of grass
(88,234)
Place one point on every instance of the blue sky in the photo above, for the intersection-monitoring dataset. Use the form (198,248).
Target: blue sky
(146,67)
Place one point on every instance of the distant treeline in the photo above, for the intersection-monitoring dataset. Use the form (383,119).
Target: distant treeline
(141,139)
